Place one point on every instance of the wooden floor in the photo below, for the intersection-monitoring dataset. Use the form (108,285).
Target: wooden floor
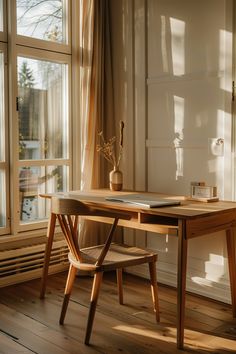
(30,325)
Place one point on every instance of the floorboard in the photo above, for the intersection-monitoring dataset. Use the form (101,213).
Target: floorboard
(30,325)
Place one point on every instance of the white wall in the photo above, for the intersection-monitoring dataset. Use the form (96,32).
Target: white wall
(173,73)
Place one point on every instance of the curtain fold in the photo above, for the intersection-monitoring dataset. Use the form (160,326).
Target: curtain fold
(91,51)
(96,103)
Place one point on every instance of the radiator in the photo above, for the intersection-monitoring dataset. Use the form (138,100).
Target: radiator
(25,263)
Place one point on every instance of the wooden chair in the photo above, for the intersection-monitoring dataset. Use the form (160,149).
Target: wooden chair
(109,256)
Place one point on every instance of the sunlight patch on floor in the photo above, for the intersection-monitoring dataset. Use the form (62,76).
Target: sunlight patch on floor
(144,332)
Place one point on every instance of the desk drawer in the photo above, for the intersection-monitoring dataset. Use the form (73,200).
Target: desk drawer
(211,223)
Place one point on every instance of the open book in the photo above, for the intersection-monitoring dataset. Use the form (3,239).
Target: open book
(143,200)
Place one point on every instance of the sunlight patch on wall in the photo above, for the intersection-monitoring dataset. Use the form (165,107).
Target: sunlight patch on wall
(178,46)
(167,240)
(202,281)
(179,134)
(215,268)
(227,163)
(220,123)
(214,271)
(220,161)
(163,45)
(216,161)
(212,166)
(225,64)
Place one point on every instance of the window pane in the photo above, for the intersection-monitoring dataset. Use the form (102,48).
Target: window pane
(43,109)
(1,15)
(2,120)
(2,199)
(42,19)
(34,181)
(2,147)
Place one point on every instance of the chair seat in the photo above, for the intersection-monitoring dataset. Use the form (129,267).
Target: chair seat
(118,256)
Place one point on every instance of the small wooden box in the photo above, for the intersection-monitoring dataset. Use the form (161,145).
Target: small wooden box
(204,192)
(201,192)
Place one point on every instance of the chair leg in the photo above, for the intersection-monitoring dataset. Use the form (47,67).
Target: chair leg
(154,290)
(120,285)
(69,284)
(93,303)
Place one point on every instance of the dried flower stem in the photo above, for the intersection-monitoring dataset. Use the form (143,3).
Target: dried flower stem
(107,149)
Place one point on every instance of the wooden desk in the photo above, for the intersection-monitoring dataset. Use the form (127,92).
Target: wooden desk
(189,220)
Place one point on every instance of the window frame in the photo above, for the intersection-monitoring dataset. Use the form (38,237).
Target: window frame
(40,43)
(41,50)
(60,58)
(5,164)
(3,35)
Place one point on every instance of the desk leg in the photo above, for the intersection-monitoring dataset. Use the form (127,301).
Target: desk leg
(50,234)
(181,282)
(232,266)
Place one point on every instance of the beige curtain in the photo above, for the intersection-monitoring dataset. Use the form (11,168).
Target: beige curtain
(96,102)
(91,40)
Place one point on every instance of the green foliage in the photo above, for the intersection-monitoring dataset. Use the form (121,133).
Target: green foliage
(26,77)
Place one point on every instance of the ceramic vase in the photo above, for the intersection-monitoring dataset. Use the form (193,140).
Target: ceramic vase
(115,180)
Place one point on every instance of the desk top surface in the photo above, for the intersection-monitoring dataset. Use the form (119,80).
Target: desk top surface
(187,209)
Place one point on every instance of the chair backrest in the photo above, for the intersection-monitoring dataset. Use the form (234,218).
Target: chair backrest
(67,206)
(67,211)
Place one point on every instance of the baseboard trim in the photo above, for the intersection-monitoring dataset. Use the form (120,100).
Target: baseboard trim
(219,291)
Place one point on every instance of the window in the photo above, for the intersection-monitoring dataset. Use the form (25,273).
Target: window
(43,133)
(1,15)
(3,34)
(39,145)
(42,19)
(4,223)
